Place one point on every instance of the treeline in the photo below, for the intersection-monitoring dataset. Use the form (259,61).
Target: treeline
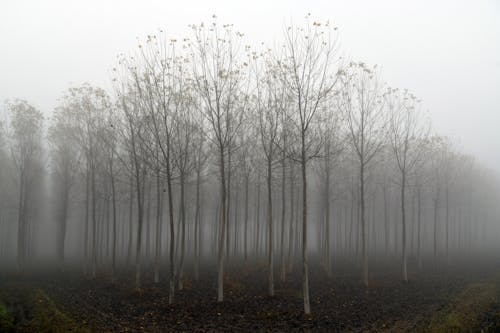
(210,149)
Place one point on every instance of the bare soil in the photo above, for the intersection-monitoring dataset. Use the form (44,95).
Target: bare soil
(340,303)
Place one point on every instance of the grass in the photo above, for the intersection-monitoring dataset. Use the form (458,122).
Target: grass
(32,310)
(466,312)
(48,318)
(6,321)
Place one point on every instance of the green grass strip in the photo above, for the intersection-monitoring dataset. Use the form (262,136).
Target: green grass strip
(466,312)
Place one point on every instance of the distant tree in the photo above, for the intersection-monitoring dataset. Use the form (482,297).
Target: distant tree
(200,162)
(109,137)
(271,102)
(438,156)
(362,104)
(184,132)
(27,126)
(407,135)
(218,79)
(332,137)
(309,69)
(133,130)
(64,158)
(87,106)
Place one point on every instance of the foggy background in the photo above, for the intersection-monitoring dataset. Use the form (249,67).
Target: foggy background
(150,148)
(446,52)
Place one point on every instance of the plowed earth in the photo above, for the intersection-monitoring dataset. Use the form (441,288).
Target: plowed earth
(340,303)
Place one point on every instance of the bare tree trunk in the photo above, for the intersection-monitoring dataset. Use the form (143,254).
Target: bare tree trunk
(140,201)
(435,227)
(113,198)
(403,219)
(197,226)
(257,222)
(148,221)
(282,245)
(297,241)
(171,293)
(228,203)
(305,270)
(220,268)
(351,225)
(183,231)
(130,221)
(292,211)
(21,225)
(94,220)
(328,266)
(419,224)
(86,229)
(159,213)
(270,226)
(107,218)
(386,222)
(447,223)
(235,222)
(363,223)
(412,214)
(374,229)
(245,232)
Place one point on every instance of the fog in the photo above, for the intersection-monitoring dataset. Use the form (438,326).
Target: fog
(150,144)
(438,50)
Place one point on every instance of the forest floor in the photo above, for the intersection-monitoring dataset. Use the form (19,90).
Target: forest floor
(463,297)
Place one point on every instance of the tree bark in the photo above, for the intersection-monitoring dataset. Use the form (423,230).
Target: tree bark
(305,269)
(403,220)
(223,221)
(282,245)
(270,226)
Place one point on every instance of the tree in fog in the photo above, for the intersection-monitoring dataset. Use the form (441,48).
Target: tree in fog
(271,102)
(421,175)
(407,135)
(206,152)
(200,159)
(87,106)
(64,160)
(110,145)
(26,125)
(451,164)
(438,148)
(361,102)
(218,79)
(159,82)
(185,126)
(307,63)
(246,156)
(4,231)
(133,130)
(330,129)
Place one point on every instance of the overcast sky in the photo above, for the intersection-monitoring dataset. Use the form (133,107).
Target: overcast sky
(447,52)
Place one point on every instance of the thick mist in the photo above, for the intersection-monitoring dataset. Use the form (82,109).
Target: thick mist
(285,168)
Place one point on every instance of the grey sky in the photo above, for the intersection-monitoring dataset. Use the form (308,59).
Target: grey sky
(446,52)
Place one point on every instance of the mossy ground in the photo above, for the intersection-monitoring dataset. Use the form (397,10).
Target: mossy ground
(6,320)
(459,298)
(475,309)
(27,309)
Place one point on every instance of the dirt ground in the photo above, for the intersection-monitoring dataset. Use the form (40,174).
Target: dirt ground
(339,304)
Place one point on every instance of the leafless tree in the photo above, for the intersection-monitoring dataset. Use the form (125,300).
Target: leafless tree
(407,135)
(362,104)
(308,66)
(271,102)
(26,124)
(65,158)
(218,79)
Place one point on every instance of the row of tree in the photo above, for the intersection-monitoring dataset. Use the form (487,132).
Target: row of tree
(207,148)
